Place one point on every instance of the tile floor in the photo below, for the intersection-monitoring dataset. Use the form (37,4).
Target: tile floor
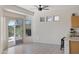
(34,48)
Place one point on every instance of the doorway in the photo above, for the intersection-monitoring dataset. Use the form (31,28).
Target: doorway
(15,32)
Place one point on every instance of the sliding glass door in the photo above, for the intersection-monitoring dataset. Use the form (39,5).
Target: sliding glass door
(15,32)
(19,31)
(11,33)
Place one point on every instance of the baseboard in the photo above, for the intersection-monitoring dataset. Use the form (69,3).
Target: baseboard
(45,43)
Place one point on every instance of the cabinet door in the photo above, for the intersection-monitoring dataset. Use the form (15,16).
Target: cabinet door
(75,21)
(74,47)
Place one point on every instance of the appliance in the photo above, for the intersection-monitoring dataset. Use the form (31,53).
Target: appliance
(42,7)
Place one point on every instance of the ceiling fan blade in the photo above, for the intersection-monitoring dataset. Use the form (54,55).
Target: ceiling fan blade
(44,7)
(36,6)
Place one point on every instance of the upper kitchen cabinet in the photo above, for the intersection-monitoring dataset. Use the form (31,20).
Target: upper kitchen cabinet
(75,21)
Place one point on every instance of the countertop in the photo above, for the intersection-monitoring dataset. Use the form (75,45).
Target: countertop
(73,38)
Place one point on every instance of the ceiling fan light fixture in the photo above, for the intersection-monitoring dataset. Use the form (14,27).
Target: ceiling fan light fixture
(40,9)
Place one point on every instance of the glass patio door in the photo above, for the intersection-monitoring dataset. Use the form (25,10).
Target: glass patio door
(19,31)
(11,33)
(15,32)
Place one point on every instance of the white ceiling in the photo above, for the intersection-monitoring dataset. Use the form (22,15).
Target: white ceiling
(51,7)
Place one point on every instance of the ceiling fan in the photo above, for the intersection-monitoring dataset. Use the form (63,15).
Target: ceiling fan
(42,7)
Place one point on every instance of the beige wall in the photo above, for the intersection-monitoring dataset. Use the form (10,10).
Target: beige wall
(52,32)
(4,34)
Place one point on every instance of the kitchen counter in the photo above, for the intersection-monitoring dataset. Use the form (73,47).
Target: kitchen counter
(66,43)
(73,38)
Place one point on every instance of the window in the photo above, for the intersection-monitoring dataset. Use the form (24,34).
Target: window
(42,19)
(49,18)
(56,18)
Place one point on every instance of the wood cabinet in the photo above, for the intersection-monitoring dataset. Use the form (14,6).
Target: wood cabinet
(74,47)
(75,21)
